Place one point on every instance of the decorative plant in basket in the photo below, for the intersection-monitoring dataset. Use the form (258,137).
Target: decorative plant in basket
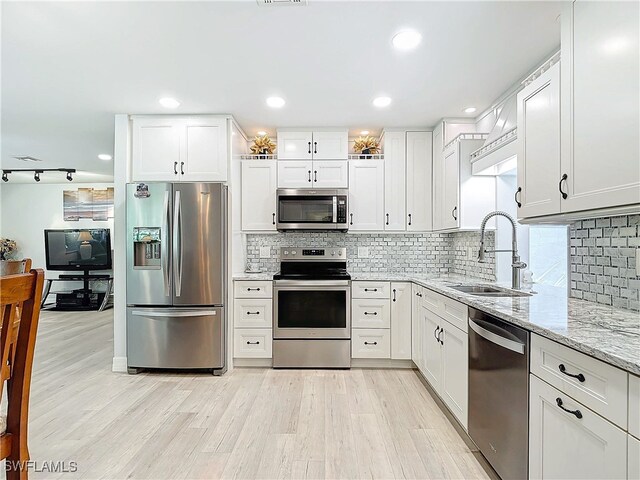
(263,146)
(366,146)
(7,247)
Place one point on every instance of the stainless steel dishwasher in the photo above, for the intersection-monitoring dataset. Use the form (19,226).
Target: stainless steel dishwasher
(499,393)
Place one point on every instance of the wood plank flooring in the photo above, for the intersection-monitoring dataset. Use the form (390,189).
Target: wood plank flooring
(251,423)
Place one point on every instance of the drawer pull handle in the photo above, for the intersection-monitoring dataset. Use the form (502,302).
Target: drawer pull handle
(577,413)
(253,343)
(370,343)
(418,294)
(370,289)
(253,313)
(563,369)
(371,313)
(249,289)
(562,192)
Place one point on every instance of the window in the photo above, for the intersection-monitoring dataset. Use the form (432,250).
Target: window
(549,254)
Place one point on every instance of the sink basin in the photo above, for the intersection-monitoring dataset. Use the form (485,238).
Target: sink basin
(488,291)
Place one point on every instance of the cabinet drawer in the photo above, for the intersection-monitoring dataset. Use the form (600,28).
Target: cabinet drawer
(370,289)
(451,310)
(252,343)
(370,313)
(252,312)
(601,387)
(370,343)
(253,289)
(634,406)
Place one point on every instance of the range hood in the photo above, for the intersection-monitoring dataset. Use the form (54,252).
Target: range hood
(498,154)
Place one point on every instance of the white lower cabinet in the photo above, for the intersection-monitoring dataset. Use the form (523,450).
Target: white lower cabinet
(633,456)
(431,351)
(252,319)
(252,343)
(568,440)
(454,384)
(401,320)
(416,325)
(370,343)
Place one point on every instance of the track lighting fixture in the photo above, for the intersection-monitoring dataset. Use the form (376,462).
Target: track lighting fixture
(36,175)
(5,177)
(69,177)
(37,172)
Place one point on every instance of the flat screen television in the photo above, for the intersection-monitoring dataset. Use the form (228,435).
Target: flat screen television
(78,249)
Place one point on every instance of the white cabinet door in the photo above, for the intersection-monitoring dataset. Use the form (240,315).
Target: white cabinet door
(156,149)
(330,174)
(600,105)
(330,145)
(419,181)
(366,195)
(395,181)
(401,307)
(295,145)
(438,175)
(431,351)
(633,469)
(539,145)
(561,445)
(259,195)
(204,150)
(416,325)
(455,385)
(295,174)
(450,209)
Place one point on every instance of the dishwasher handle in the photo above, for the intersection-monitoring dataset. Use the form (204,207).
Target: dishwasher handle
(507,343)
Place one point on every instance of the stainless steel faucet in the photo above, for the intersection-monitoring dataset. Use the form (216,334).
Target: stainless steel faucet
(516,264)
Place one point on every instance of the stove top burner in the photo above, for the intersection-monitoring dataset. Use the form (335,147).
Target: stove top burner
(329,274)
(313,264)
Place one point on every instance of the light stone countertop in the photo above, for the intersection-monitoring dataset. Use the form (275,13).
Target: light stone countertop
(606,333)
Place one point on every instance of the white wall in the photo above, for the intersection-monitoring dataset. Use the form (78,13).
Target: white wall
(28,209)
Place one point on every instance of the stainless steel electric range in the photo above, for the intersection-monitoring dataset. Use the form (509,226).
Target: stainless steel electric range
(312,309)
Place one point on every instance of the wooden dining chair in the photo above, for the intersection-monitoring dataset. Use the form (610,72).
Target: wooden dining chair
(16,362)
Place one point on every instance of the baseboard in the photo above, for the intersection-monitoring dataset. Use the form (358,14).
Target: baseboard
(380,363)
(252,362)
(119,364)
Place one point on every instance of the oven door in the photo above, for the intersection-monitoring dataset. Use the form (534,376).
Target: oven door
(299,210)
(312,309)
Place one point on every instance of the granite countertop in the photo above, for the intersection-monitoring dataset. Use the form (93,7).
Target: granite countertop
(606,333)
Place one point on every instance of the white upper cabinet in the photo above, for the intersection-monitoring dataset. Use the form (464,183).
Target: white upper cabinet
(331,145)
(539,145)
(318,145)
(600,105)
(156,148)
(450,196)
(419,181)
(394,181)
(258,195)
(366,195)
(330,174)
(295,145)
(180,148)
(295,174)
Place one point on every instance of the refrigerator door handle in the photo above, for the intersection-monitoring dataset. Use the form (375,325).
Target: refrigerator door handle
(166,274)
(173,313)
(177,244)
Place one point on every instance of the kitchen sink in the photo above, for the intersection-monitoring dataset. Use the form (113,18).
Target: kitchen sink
(488,291)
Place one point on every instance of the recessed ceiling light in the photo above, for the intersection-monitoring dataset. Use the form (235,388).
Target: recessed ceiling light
(364,132)
(168,102)
(275,102)
(105,156)
(382,101)
(262,133)
(406,40)
(469,109)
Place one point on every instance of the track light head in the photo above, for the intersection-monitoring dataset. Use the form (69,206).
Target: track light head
(69,177)
(36,176)
(5,177)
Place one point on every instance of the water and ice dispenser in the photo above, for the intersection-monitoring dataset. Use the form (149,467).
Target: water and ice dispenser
(147,248)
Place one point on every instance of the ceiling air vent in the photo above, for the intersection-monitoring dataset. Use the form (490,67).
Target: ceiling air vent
(270,3)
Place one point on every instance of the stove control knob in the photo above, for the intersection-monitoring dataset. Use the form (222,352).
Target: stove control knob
(293,252)
(333,253)
(286,252)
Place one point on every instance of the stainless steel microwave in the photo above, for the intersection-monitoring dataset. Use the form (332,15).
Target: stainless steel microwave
(306,209)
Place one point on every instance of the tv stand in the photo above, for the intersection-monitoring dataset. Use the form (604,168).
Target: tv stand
(82,298)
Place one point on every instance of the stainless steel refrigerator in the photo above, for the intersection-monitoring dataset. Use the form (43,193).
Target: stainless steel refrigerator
(176,276)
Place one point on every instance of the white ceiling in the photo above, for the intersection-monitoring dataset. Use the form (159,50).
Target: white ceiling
(68,67)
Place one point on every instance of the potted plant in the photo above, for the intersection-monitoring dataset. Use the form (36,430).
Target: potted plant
(263,146)
(366,146)
(7,247)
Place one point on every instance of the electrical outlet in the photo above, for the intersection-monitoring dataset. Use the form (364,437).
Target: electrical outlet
(363,252)
(265,252)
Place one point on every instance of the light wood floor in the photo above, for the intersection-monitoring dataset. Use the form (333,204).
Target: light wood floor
(251,423)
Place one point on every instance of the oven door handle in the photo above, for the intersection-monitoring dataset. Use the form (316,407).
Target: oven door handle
(497,339)
(311,283)
(335,209)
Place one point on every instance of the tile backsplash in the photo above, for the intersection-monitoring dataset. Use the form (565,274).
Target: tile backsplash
(421,253)
(603,261)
